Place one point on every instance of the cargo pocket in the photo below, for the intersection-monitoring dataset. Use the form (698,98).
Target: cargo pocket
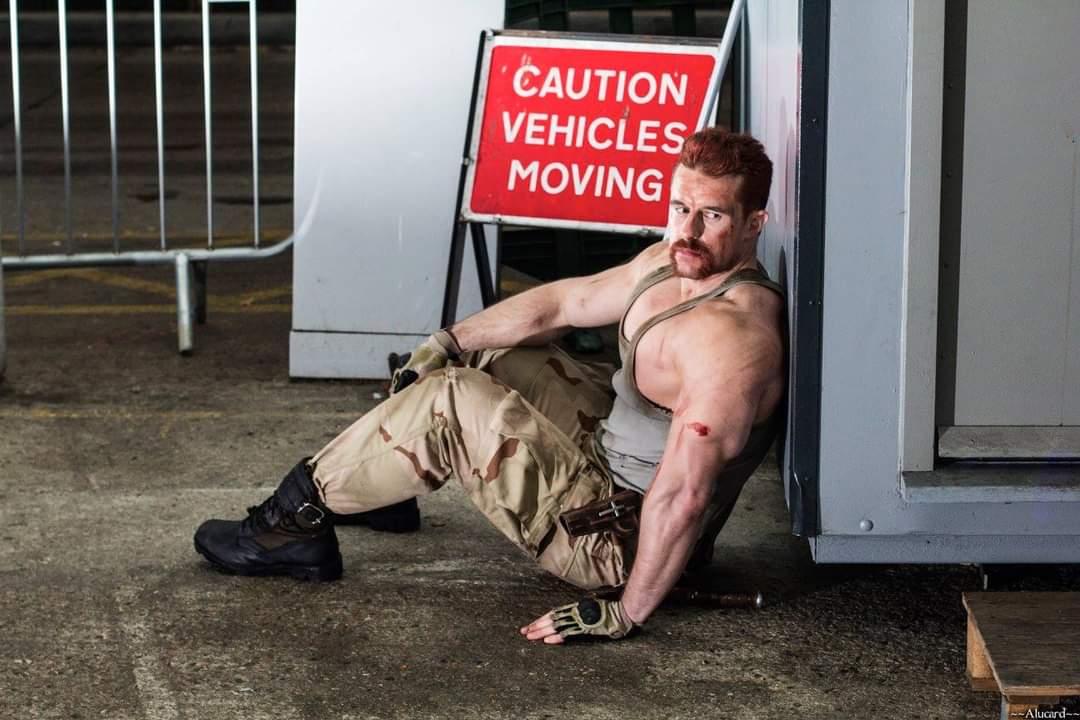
(527,471)
(587,561)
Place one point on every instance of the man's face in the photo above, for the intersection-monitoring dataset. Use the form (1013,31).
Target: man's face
(708,231)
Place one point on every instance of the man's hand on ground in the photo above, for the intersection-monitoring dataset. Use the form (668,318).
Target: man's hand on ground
(588,616)
(543,628)
(433,354)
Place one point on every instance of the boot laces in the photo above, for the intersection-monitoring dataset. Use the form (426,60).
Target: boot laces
(259,516)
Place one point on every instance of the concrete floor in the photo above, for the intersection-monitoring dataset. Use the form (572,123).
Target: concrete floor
(114,448)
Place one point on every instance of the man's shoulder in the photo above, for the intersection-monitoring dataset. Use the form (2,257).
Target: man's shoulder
(746,322)
(649,260)
(753,297)
(658,249)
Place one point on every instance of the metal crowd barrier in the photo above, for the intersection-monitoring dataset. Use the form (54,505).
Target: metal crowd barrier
(190,263)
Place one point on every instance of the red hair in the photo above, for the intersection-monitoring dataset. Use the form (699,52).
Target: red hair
(717,152)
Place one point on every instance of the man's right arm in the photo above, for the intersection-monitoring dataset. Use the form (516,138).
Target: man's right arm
(543,313)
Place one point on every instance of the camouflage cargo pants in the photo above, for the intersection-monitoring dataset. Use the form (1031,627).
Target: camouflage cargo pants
(514,427)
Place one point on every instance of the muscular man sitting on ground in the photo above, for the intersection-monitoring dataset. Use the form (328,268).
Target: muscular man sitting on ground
(530,433)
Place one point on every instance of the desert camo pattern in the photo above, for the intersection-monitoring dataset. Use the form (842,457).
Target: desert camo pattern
(515,428)
(430,355)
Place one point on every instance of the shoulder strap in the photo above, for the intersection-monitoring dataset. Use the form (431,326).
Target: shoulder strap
(652,278)
(747,275)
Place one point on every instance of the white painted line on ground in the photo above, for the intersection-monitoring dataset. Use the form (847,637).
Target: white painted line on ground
(154,693)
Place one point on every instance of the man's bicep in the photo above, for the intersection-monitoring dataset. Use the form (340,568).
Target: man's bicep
(720,415)
(593,300)
(693,455)
(710,425)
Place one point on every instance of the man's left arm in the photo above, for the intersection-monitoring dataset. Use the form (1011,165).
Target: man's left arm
(710,425)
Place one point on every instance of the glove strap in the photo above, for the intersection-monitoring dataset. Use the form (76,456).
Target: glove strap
(592,616)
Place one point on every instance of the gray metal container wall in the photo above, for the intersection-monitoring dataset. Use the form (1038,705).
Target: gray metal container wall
(879,490)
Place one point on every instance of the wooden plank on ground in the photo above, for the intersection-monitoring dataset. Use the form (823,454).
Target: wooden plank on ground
(1030,640)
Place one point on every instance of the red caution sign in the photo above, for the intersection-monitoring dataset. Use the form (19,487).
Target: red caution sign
(583,133)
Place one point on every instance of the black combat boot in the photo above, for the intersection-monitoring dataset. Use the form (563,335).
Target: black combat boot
(402,517)
(290,533)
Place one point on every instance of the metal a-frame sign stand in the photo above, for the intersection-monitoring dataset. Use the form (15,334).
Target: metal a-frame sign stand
(476,230)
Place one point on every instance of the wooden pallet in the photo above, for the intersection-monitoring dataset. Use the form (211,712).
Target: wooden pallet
(1024,645)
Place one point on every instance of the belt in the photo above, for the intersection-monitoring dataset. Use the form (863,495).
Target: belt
(617,513)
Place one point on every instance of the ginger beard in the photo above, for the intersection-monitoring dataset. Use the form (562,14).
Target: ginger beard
(693,262)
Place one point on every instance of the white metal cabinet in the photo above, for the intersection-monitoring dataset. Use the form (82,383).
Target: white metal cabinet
(382,99)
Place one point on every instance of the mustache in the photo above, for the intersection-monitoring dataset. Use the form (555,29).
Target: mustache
(685,245)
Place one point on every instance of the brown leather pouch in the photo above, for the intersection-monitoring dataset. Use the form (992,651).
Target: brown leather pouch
(617,513)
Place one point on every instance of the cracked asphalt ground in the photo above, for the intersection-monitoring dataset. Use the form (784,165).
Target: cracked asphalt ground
(114,449)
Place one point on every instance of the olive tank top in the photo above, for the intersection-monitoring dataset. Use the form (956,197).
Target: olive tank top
(632,438)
